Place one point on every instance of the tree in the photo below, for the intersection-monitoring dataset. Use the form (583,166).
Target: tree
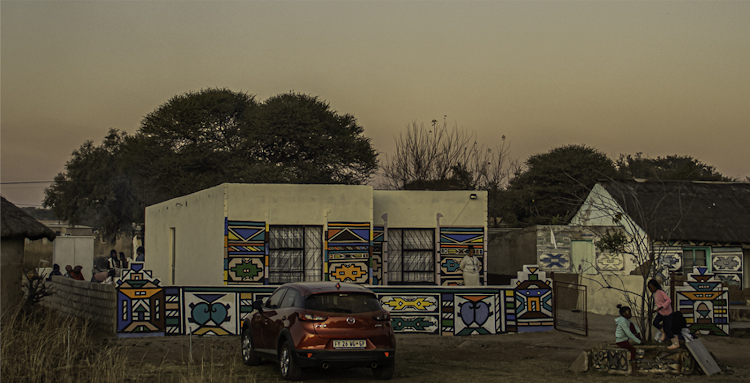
(553,183)
(94,189)
(201,139)
(305,141)
(438,158)
(673,167)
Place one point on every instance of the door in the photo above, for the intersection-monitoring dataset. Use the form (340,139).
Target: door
(269,327)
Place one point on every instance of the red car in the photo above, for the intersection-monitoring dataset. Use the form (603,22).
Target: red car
(320,324)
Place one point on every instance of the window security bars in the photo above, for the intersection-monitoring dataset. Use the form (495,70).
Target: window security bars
(295,253)
(411,254)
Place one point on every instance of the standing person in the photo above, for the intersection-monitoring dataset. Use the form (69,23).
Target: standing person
(625,332)
(113,262)
(663,320)
(470,266)
(68,271)
(123,261)
(140,254)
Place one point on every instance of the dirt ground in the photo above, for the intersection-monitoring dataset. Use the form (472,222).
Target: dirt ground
(430,358)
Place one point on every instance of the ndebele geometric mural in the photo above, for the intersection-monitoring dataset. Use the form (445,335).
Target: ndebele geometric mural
(703,302)
(348,252)
(146,308)
(245,253)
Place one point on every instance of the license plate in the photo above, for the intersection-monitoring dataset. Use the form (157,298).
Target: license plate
(349,344)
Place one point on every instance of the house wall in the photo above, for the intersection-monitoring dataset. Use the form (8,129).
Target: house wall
(11,267)
(459,220)
(342,213)
(289,204)
(198,223)
(221,234)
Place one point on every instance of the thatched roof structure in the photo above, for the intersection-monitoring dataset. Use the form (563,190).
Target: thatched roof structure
(687,210)
(17,224)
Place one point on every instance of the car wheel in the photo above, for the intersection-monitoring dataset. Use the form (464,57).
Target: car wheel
(383,373)
(248,350)
(287,366)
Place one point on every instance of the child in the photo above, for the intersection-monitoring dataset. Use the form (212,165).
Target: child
(627,330)
(663,320)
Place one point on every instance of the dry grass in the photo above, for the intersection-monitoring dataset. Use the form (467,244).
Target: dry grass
(35,348)
(40,346)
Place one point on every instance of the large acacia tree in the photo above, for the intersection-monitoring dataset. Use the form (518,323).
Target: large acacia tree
(201,139)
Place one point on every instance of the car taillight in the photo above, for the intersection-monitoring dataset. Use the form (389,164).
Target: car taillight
(312,318)
(382,317)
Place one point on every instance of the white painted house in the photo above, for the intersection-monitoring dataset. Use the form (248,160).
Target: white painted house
(255,234)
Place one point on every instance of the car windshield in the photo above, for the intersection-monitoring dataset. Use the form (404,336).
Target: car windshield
(343,302)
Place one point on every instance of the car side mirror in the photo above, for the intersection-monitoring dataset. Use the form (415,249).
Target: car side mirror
(258,305)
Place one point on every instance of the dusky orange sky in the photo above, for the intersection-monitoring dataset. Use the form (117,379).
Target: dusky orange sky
(623,77)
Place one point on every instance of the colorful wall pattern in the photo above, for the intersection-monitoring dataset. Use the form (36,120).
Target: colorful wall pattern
(727,264)
(378,237)
(553,249)
(147,309)
(347,255)
(533,301)
(703,301)
(141,303)
(454,244)
(245,255)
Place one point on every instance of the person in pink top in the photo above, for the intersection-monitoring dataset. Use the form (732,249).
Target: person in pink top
(663,311)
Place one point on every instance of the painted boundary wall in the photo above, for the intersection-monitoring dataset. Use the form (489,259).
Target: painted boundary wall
(145,308)
(93,301)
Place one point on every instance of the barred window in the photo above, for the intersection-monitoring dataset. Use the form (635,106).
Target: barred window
(295,253)
(411,254)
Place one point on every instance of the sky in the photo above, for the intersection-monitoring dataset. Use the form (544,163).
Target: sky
(622,77)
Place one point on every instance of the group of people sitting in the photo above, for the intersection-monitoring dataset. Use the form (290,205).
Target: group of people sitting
(70,272)
(671,324)
(106,276)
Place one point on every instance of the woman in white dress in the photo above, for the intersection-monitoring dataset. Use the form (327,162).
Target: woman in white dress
(470,266)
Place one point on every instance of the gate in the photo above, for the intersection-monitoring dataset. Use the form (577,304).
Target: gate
(569,306)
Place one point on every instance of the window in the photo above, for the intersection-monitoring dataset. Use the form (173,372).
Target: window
(274,301)
(695,256)
(343,302)
(296,253)
(411,255)
(292,299)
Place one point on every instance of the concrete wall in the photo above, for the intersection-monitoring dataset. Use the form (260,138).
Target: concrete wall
(604,300)
(419,209)
(11,267)
(510,251)
(93,301)
(198,223)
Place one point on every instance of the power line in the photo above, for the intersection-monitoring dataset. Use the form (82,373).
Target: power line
(25,182)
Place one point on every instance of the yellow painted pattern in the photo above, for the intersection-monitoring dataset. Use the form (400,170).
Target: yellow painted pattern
(398,303)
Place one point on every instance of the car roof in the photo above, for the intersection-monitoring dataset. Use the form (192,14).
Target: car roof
(307,288)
